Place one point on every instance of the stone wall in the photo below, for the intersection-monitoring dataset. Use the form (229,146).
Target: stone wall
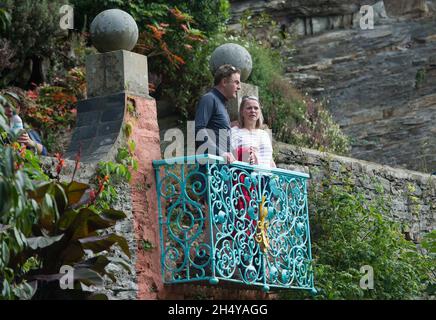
(410,195)
(379,84)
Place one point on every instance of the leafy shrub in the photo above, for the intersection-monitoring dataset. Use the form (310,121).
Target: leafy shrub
(350,232)
(111,173)
(168,29)
(5,20)
(46,224)
(33,35)
(6,55)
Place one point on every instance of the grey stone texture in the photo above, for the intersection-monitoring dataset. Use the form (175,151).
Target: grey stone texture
(380,87)
(98,128)
(379,84)
(234,54)
(116,71)
(409,195)
(114,29)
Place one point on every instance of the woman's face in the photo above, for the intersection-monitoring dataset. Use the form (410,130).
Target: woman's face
(251,111)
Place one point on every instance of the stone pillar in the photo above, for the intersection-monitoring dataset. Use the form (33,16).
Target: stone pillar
(111,77)
(246,90)
(116,71)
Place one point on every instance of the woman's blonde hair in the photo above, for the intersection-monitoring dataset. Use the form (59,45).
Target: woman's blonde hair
(259,122)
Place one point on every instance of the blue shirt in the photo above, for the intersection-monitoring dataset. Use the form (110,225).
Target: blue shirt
(212,115)
(35,137)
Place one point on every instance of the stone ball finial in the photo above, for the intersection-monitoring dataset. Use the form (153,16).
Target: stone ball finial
(234,54)
(114,29)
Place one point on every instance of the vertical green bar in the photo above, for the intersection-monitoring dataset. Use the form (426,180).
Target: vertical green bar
(309,244)
(213,279)
(159,205)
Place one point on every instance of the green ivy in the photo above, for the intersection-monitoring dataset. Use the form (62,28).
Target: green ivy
(46,224)
(349,232)
(109,174)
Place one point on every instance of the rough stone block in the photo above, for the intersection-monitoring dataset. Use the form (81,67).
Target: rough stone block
(116,71)
(99,124)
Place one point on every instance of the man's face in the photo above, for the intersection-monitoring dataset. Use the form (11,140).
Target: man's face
(231,85)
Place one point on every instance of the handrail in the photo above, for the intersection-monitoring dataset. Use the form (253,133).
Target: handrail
(194,158)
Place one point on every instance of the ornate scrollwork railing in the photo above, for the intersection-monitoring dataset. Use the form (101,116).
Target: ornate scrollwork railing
(233,222)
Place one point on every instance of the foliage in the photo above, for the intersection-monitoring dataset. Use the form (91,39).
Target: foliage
(33,35)
(46,224)
(7,52)
(5,20)
(209,15)
(51,109)
(429,244)
(350,232)
(109,174)
(167,28)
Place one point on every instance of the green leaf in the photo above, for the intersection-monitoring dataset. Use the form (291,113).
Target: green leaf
(60,198)
(39,193)
(5,253)
(88,277)
(71,254)
(101,243)
(113,214)
(25,290)
(4,227)
(42,242)
(6,292)
(97,263)
(66,219)
(19,238)
(99,296)
(75,191)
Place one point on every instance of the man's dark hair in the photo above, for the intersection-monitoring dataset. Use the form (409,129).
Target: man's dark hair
(225,71)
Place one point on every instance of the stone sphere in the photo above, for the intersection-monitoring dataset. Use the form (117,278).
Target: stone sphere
(114,29)
(234,54)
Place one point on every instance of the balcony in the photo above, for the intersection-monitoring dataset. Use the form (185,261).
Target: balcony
(233,223)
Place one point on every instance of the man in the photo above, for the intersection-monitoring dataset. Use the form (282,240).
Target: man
(212,131)
(212,121)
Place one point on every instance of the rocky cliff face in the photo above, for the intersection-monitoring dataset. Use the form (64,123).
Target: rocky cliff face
(379,84)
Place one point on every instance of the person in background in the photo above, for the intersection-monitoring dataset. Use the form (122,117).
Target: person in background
(29,138)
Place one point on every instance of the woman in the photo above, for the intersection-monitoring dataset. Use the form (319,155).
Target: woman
(250,143)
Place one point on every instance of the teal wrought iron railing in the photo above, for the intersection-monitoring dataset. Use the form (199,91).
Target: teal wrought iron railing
(233,222)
